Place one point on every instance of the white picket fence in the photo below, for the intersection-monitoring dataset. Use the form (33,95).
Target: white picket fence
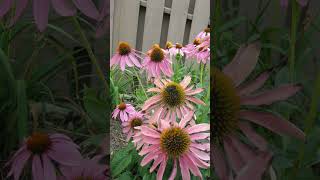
(143,23)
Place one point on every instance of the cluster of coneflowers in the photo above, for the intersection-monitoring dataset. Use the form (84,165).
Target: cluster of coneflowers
(165,128)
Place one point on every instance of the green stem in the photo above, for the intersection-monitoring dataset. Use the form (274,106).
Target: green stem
(90,52)
(309,124)
(202,67)
(140,82)
(293,39)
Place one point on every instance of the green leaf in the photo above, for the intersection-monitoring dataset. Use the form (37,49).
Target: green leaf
(96,109)
(121,166)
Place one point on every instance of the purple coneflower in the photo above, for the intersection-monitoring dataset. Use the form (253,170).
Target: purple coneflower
(174,50)
(123,110)
(179,143)
(136,119)
(157,62)
(41,9)
(125,55)
(44,151)
(172,99)
(230,117)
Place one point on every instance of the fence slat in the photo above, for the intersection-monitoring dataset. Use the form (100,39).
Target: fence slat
(153,23)
(111,25)
(200,18)
(178,18)
(128,12)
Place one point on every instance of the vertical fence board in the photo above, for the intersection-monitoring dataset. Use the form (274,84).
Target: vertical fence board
(128,21)
(200,18)
(111,25)
(153,23)
(115,24)
(178,20)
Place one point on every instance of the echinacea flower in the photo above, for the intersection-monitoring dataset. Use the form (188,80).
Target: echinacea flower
(89,169)
(41,9)
(201,52)
(189,49)
(157,61)
(203,34)
(45,152)
(174,50)
(123,110)
(125,55)
(284,3)
(230,117)
(179,143)
(136,119)
(172,99)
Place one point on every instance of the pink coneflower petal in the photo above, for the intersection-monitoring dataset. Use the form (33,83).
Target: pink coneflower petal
(233,155)
(219,164)
(198,128)
(256,168)
(244,150)
(41,13)
(193,168)
(48,168)
(161,169)
(19,9)
(87,7)
(243,63)
(64,7)
(280,93)
(174,170)
(273,123)
(5,7)
(37,169)
(22,158)
(255,138)
(255,85)
(184,170)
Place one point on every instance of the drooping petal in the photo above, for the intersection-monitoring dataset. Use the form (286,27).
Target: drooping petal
(254,85)
(48,168)
(41,13)
(19,162)
(268,97)
(243,63)
(200,154)
(255,138)
(19,9)
(184,170)
(88,8)
(233,155)
(219,163)
(191,165)
(273,123)
(64,7)
(5,6)
(161,170)
(174,170)
(255,169)
(243,149)
(37,169)
(195,100)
